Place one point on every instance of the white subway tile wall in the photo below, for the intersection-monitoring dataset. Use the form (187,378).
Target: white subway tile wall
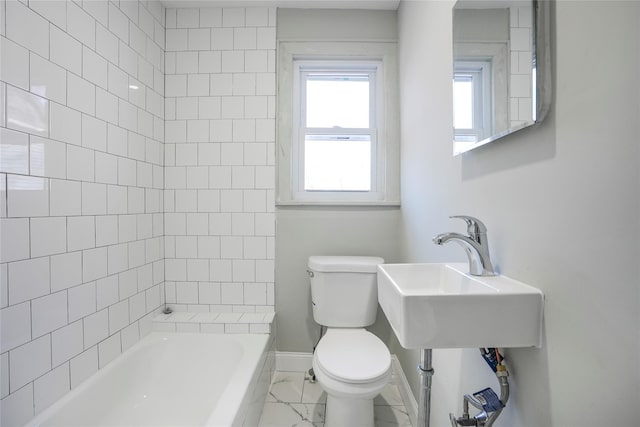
(81,191)
(109,183)
(219,160)
(520,84)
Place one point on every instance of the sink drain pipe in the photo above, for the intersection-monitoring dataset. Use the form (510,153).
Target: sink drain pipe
(425,369)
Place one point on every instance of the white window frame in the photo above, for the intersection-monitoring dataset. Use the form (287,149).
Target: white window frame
(302,68)
(479,72)
(496,54)
(295,58)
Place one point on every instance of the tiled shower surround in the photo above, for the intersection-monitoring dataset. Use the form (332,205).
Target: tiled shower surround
(94,212)
(219,159)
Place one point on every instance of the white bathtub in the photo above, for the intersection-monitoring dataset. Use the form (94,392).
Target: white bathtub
(173,379)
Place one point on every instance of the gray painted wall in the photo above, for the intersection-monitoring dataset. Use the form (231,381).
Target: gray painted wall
(482,25)
(312,230)
(302,232)
(336,24)
(562,205)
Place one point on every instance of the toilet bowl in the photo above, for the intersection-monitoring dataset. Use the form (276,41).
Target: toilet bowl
(352,366)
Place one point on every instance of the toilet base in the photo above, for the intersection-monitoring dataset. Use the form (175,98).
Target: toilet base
(345,412)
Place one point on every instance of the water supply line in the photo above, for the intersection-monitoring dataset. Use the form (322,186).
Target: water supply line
(310,373)
(486,401)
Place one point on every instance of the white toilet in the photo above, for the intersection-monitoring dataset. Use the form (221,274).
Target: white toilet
(350,363)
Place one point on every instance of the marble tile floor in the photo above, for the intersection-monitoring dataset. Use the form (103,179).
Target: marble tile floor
(293,401)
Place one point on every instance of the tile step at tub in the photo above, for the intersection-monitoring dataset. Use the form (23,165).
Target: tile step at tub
(219,323)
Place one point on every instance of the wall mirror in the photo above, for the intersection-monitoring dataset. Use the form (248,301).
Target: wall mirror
(501,69)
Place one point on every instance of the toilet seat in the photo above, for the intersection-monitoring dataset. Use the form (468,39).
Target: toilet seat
(354,356)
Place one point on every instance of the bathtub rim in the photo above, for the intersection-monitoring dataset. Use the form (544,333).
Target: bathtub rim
(232,400)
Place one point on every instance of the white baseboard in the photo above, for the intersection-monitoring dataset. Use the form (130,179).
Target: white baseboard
(289,361)
(301,362)
(410,402)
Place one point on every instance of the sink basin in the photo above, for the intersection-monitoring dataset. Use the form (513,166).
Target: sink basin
(442,306)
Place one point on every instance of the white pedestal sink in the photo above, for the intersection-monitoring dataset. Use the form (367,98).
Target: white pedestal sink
(441,306)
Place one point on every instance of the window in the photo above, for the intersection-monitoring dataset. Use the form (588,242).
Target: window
(472,99)
(338,146)
(480,89)
(336,126)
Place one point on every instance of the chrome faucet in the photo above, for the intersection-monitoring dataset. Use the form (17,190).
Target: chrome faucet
(475,245)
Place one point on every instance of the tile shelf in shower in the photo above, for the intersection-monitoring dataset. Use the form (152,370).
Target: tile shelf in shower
(220,323)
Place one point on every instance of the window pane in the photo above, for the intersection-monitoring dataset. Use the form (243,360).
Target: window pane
(463,102)
(337,163)
(337,101)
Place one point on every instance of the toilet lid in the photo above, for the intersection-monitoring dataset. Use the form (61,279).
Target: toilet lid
(352,355)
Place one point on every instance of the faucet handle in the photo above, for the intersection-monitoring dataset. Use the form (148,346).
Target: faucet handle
(474,225)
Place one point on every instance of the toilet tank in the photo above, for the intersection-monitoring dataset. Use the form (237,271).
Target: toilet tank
(344,292)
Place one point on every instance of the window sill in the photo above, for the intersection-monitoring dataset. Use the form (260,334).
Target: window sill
(374,203)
